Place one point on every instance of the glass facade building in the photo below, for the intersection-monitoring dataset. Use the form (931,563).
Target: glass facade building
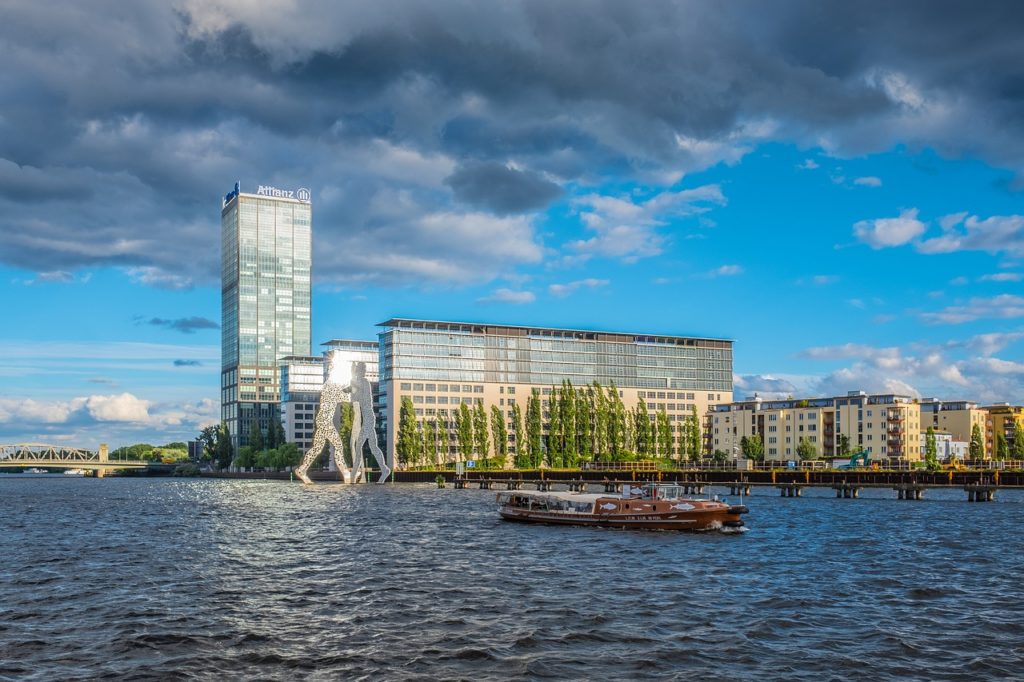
(265,301)
(439,364)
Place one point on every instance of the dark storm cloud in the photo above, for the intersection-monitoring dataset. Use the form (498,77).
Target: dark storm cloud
(121,125)
(185,325)
(501,189)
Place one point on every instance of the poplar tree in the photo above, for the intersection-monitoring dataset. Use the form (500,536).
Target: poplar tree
(977,447)
(255,436)
(534,429)
(664,429)
(499,435)
(567,403)
(617,424)
(585,422)
(464,429)
(408,445)
(272,442)
(430,442)
(642,429)
(481,432)
(554,431)
(521,461)
(602,451)
(345,433)
(224,452)
(931,453)
(694,434)
(1002,448)
(1017,449)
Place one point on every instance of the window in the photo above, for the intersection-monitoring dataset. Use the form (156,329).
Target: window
(429,387)
(442,400)
(417,387)
(467,388)
(418,399)
(405,387)
(511,390)
(442,387)
(455,388)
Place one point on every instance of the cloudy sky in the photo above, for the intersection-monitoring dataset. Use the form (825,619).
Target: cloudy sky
(836,186)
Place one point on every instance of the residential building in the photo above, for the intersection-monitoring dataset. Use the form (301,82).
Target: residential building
(886,425)
(1005,419)
(265,300)
(946,447)
(440,365)
(956,417)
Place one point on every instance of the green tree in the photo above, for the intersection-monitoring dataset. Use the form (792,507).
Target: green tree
(664,427)
(521,460)
(225,452)
(693,433)
(480,433)
(602,421)
(430,449)
(1002,447)
(345,433)
(756,446)
(1017,449)
(247,455)
(208,437)
(977,447)
(585,422)
(255,436)
(617,420)
(570,429)
(464,430)
(642,429)
(534,429)
(407,445)
(805,450)
(745,448)
(554,431)
(931,452)
(499,436)
(271,441)
(844,444)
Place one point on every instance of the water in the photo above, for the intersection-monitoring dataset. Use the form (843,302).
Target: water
(156,578)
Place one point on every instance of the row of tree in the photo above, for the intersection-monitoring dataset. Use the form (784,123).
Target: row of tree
(589,423)
(752,447)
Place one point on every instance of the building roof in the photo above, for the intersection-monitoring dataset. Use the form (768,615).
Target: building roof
(352,343)
(554,332)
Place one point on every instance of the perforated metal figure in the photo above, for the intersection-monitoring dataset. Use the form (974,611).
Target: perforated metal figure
(364,429)
(331,396)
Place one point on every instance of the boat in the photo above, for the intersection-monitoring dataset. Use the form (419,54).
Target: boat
(654,506)
(75,472)
(36,471)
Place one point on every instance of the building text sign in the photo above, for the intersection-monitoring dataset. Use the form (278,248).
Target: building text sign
(300,194)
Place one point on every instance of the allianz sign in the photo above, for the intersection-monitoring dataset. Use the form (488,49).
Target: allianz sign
(301,194)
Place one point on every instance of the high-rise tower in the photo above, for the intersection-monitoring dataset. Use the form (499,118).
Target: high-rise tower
(265,300)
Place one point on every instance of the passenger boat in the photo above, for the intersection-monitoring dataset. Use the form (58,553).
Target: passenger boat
(652,506)
(75,472)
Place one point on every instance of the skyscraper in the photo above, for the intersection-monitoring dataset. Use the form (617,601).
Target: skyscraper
(265,300)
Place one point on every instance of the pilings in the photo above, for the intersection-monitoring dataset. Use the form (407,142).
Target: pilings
(738,488)
(790,489)
(846,491)
(980,492)
(909,491)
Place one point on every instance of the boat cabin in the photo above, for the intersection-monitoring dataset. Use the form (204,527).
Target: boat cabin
(553,501)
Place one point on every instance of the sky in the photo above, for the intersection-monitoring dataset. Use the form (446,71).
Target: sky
(836,186)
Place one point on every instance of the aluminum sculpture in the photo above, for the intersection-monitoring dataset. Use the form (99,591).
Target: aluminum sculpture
(346,382)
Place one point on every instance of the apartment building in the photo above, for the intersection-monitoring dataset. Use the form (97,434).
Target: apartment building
(1005,419)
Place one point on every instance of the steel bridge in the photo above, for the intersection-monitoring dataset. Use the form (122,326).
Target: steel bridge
(25,455)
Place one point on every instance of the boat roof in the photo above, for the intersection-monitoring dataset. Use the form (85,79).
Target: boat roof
(558,495)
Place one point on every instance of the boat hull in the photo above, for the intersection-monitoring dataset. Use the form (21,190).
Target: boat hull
(702,520)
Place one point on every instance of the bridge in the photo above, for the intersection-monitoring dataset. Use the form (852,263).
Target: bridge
(45,456)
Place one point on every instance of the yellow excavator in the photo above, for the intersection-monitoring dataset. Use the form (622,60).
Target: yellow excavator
(954,464)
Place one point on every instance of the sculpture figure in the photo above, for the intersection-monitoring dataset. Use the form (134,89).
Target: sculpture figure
(345,386)
(364,429)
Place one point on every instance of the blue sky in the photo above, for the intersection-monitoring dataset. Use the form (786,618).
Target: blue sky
(850,214)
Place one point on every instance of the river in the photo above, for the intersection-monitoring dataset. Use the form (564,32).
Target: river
(214,579)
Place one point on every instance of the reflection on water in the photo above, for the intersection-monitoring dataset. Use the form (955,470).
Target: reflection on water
(243,579)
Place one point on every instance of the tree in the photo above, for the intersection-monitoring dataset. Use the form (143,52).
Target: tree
(642,429)
(464,430)
(407,445)
(430,450)
(255,436)
(208,437)
(805,450)
(522,460)
(480,432)
(271,442)
(664,428)
(602,419)
(585,422)
(931,452)
(617,420)
(977,447)
(554,431)
(225,452)
(567,408)
(247,455)
(345,432)
(693,433)
(755,448)
(1002,448)
(844,444)
(534,429)
(1017,449)
(745,448)
(499,436)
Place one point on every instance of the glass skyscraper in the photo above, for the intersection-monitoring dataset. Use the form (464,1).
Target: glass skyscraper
(265,300)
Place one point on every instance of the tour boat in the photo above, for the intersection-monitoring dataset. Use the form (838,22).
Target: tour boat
(75,472)
(36,471)
(653,507)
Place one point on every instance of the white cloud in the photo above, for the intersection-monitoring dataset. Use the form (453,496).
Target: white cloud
(997,234)
(726,271)
(628,229)
(825,279)
(509,296)
(885,232)
(1003,306)
(562,290)
(1002,277)
(868,181)
(808,164)
(156,277)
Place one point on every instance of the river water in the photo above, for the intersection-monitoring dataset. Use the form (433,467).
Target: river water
(212,579)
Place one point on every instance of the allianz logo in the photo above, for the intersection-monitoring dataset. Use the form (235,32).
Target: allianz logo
(301,194)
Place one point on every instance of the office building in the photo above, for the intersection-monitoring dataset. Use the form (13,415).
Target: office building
(440,365)
(886,425)
(265,300)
